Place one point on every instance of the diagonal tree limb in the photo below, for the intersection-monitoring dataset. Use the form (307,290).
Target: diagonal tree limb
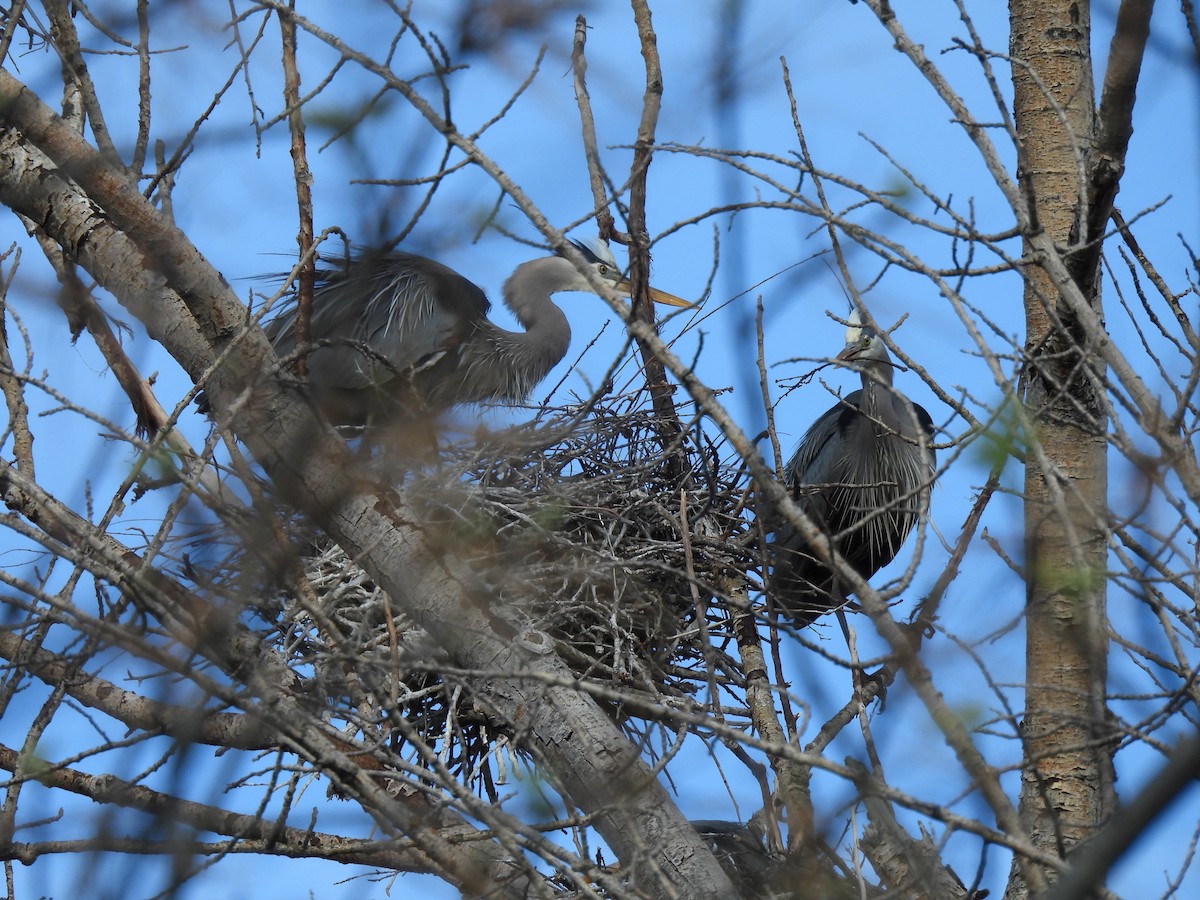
(1115,114)
(274,694)
(907,867)
(1093,858)
(283,840)
(184,723)
(587,755)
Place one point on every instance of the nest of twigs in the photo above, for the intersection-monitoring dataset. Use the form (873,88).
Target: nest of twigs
(616,535)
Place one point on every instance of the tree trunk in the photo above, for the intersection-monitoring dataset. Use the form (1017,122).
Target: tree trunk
(1066,790)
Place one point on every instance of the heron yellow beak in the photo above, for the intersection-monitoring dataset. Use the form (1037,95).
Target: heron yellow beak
(669,299)
(656,295)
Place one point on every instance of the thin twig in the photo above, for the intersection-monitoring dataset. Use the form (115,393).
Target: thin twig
(604,219)
(303,182)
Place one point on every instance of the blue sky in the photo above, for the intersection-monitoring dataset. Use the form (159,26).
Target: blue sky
(237,204)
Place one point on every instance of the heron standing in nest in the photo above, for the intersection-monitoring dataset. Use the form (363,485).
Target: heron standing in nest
(862,474)
(396,337)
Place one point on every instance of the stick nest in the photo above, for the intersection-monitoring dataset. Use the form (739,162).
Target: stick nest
(581,525)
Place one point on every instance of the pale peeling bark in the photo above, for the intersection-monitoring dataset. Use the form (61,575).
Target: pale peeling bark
(522,678)
(910,869)
(1066,791)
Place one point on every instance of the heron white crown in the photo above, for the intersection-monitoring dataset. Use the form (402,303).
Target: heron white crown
(596,250)
(854,326)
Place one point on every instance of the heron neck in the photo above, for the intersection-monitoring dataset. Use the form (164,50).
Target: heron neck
(876,377)
(875,372)
(527,293)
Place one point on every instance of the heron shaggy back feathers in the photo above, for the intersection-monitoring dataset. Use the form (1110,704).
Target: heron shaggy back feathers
(396,335)
(862,473)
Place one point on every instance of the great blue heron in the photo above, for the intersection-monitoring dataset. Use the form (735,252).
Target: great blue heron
(862,473)
(397,336)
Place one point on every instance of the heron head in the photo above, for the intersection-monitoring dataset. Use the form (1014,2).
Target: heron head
(601,259)
(864,348)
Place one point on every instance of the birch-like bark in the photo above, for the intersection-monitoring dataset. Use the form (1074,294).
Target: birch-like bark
(1066,787)
(582,750)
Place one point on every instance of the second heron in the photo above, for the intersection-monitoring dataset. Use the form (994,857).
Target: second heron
(862,473)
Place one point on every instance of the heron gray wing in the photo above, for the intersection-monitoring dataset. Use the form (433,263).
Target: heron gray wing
(924,422)
(821,475)
(393,313)
(913,461)
(415,311)
(334,361)
(820,457)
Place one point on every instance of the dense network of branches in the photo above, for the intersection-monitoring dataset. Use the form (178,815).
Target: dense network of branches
(543,659)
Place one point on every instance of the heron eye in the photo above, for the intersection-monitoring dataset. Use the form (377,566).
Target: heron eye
(603,269)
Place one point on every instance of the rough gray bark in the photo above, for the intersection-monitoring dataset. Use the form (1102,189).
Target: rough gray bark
(1066,791)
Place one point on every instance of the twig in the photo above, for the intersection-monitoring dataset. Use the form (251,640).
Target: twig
(604,219)
(13,387)
(792,777)
(303,180)
(639,249)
